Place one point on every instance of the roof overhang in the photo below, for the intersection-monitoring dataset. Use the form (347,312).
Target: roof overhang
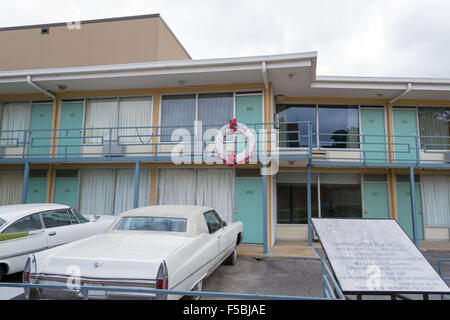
(166,74)
(291,75)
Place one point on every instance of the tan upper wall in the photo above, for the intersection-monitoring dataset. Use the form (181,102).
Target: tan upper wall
(96,42)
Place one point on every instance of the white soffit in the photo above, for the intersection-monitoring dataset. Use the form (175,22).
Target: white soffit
(159,74)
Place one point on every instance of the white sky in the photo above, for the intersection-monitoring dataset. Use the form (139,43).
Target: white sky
(353,37)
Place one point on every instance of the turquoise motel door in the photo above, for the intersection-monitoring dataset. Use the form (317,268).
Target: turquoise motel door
(66,191)
(248,202)
(404,209)
(405,125)
(37,190)
(249,109)
(41,118)
(375,199)
(372,123)
(69,141)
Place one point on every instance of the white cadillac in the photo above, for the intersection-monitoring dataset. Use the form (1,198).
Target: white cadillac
(163,247)
(28,228)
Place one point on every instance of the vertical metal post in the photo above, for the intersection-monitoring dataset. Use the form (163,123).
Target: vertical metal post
(266,245)
(26,175)
(413,205)
(136,184)
(308,192)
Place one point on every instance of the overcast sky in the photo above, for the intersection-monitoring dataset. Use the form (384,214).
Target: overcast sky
(353,37)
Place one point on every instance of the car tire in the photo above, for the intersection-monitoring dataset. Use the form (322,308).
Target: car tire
(197,287)
(1,272)
(232,258)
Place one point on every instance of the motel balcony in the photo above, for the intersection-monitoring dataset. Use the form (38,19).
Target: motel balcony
(292,143)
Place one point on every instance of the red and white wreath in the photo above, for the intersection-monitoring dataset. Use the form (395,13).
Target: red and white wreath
(235,128)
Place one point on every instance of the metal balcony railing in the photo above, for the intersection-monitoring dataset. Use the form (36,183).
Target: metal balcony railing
(281,140)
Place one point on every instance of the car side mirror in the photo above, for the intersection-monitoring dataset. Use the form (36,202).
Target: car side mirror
(224,223)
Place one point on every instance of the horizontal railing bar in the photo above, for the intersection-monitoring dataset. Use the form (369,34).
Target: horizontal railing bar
(161,291)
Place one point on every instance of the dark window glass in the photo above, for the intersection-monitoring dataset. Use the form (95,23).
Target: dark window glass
(177,111)
(292,203)
(338,126)
(58,218)
(2,222)
(340,200)
(212,221)
(434,128)
(29,223)
(295,134)
(80,216)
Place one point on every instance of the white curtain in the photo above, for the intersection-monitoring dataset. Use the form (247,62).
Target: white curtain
(124,191)
(101,113)
(10,187)
(436,200)
(144,187)
(215,189)
(176,186)
(135,112)
(14,116)
(97,191)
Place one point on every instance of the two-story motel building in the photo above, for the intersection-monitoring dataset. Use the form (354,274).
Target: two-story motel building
(86,116)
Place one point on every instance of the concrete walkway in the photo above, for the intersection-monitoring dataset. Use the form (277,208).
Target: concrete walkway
(300,249)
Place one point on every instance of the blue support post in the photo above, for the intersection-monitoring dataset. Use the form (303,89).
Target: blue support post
(136,184)
(413,205)
(308,192)
(266,245)
(26,175)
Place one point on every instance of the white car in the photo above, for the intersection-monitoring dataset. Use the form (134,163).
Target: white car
(28,228)
(163,247)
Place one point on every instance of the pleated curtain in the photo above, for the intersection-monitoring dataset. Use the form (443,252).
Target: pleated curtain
(135,112)
(11,185)
(436,200)
(203,187)
(14,116)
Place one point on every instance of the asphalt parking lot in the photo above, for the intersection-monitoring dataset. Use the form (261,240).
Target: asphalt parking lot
(278,276)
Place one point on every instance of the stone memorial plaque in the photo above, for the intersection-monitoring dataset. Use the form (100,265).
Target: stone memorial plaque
(375,256)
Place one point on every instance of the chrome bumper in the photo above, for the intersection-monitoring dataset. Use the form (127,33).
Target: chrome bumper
(73,293)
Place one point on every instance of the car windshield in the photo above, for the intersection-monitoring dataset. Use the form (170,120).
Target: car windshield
(2,222)
(152,224)
(80,216)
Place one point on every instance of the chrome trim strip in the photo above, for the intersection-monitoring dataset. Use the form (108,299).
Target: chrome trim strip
(23,253)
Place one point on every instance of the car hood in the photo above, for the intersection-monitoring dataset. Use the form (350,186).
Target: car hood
(113,255)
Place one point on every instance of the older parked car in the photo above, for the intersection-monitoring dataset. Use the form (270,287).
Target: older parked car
(28,228)
(163,247)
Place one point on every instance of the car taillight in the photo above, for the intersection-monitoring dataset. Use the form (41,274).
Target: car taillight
(162,280)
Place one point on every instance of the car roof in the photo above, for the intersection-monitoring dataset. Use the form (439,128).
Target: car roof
(194,215)
(17,211)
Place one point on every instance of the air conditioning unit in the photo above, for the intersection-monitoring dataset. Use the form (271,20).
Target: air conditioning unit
(116,149)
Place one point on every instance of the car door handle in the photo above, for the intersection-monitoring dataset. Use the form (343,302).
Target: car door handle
(52,233)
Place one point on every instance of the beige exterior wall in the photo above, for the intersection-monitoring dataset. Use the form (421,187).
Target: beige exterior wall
(95,43)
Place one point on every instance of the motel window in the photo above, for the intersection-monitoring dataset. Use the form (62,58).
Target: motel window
(333,195)
(340,195)
(434,128)
(293,130)
(338,126)
(292,198)
(119,112)
(14,116)
(180,111)
(111,191)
